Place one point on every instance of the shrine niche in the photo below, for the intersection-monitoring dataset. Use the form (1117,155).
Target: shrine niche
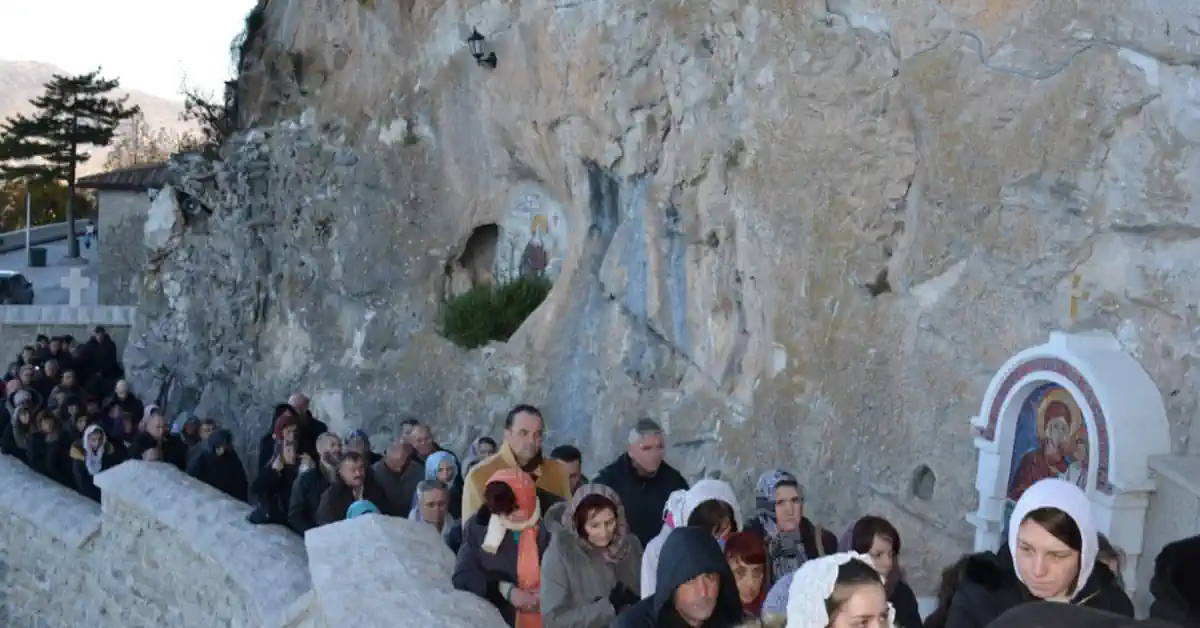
(1078,408)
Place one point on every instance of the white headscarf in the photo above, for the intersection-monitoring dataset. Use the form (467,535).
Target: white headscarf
(710,490)
(1065,496)
(94,460)
(813,583)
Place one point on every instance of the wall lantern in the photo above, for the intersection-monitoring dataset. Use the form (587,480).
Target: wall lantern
(475,41)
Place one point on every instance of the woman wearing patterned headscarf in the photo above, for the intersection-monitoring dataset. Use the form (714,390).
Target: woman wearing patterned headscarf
(591,569)
(791,538)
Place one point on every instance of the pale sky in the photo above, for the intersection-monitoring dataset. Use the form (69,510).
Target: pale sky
(148,44)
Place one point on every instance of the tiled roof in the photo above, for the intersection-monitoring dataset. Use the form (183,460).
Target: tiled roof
(133,179)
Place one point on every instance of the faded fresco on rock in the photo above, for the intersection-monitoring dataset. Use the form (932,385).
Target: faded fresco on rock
(533,238)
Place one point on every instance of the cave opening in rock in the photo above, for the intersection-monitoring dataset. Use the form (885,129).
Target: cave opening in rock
(478,306)
(478,256)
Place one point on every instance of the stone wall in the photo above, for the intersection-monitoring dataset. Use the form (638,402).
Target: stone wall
(44,234)
(800,235)
(165,550)
(122,215)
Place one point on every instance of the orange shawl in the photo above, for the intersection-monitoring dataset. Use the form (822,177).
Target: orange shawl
(523,521)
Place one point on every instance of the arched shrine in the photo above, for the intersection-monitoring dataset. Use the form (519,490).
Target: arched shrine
(1080,408)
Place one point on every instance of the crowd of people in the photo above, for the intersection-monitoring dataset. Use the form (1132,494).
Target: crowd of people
(636,546)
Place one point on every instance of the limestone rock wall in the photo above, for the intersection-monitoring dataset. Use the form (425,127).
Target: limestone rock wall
(800,234)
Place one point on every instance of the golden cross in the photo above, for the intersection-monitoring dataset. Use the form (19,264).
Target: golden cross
(1076,296)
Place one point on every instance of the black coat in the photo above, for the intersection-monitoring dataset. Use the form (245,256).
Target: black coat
(1176,583)
(272,491)
(223,472)
(305,499)
(908,610)
(642,497)
(988,586)
(51,458)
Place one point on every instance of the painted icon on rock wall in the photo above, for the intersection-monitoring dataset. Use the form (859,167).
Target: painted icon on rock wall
(1051,441)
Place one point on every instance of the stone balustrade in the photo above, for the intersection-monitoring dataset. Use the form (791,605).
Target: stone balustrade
(165,550)
(15,240)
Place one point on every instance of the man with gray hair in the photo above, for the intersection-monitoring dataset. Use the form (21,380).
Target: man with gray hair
(432,507)
(642,479)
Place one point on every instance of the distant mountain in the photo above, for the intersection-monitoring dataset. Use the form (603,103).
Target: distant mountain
(21,81)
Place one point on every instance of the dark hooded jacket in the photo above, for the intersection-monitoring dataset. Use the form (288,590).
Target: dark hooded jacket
(687,553)
(1176,583)
(988,586)
(223,472)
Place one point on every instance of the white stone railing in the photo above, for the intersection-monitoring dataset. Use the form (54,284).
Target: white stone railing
(166,550)
(44,234)
(87,315)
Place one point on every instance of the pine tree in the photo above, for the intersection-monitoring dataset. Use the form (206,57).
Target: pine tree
(72,112)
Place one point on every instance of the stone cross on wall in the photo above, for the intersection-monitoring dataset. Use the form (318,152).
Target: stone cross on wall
(76,283)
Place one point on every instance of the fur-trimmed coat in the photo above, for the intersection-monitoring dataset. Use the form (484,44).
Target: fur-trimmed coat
(988,586)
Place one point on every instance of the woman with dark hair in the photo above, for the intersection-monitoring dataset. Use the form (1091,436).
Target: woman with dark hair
(591,569)
(1051,555)
(746,553)
(878,538)
(501,555)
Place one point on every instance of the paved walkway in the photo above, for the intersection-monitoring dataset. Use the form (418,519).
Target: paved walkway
(47,289)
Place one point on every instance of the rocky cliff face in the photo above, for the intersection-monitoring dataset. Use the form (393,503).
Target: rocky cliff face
(800,234)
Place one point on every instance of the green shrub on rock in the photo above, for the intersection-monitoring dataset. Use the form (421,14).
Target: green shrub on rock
(492,312)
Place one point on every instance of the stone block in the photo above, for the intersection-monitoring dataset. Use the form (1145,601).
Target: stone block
(401,566)
(195,519)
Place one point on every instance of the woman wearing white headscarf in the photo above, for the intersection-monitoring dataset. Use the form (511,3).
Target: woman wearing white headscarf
(837,591)
(711,505)
(1051,555)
